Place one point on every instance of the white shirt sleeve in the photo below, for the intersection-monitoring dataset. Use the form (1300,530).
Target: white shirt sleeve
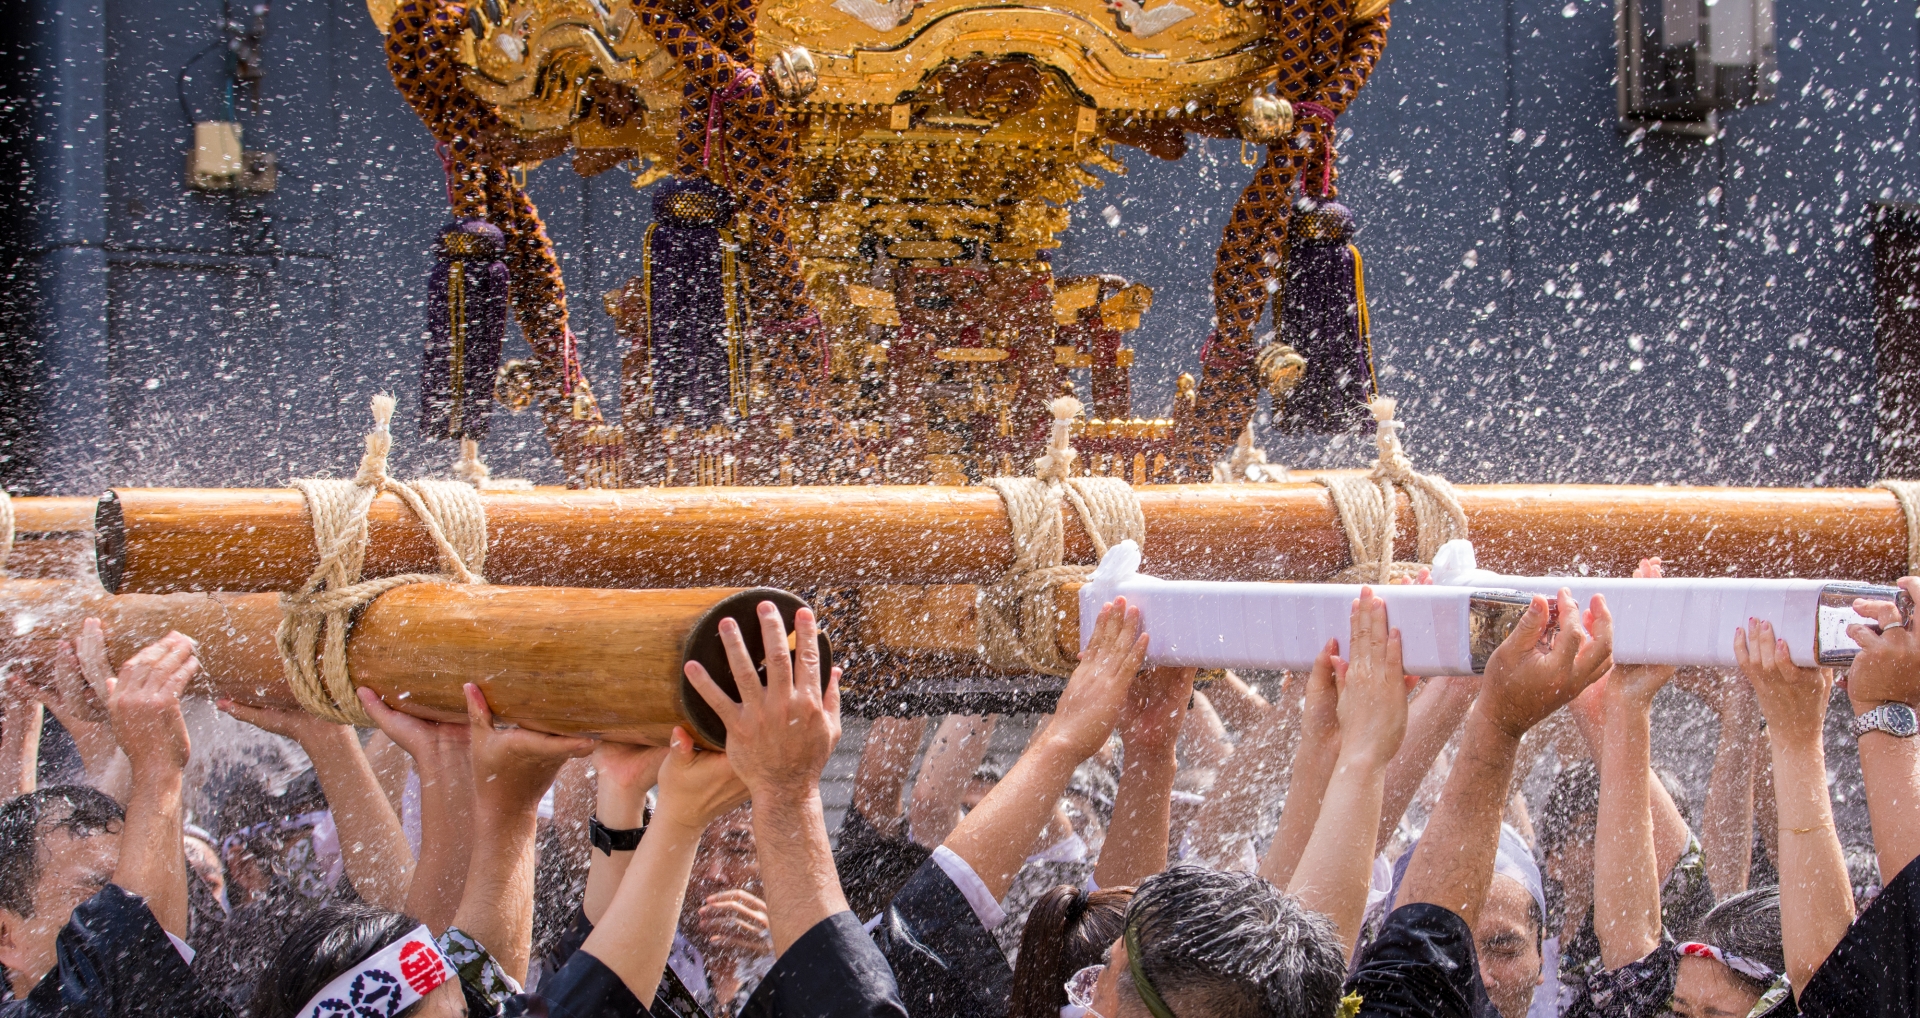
(971,887)
(186,953)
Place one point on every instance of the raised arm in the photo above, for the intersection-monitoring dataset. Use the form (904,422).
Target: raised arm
(995,836)
(1136,845)
(440,755)
(959,745)
(1726,826)
(1536,671)
(623,774)
(779,737)
(19,737)
(143,699)
(1432,718)
(379,862)
(1333,873)
(1265,755)
(1816,898)
(1313,763)
(880,781)
(695,788)
(76,696)
(512,769)
(1626,869)
(1887,671)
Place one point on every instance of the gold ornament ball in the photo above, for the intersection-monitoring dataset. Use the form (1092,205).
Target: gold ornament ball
(792,75)
(1265,118)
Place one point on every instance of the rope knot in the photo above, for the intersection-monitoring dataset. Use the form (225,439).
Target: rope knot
(373,465)
(1367,506)
(1056,464)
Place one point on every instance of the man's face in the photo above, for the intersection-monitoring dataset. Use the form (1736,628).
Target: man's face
(726,860)
(1506,941)
(1704,988)
(72,869)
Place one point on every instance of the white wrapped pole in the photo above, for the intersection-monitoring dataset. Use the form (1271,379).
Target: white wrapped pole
(1197,623)
(1690,620)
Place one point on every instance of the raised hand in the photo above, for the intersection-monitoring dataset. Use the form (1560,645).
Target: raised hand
(513,767)
(1887,669)
(695,786)
(143,698)
(733,924)
(297,725)
(779,735)
(1319,711)
(1372,703)
(1793,699)
(1541,666)
(430,743)
(622,776)
(1156,706)
(1097,691)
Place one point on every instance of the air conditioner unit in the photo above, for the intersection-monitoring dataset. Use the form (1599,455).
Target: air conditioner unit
(1683,61)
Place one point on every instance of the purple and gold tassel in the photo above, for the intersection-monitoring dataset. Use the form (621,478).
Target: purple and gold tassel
(466,324)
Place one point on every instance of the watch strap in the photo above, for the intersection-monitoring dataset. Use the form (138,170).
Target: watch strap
(608,840)
(1895,719)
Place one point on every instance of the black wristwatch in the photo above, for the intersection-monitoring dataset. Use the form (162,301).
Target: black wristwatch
(609,841)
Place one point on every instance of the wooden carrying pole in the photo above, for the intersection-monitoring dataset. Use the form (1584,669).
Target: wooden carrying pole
(602,662)
(168,540)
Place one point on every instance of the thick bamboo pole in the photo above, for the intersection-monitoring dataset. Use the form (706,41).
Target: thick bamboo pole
(600,662)
(165,540)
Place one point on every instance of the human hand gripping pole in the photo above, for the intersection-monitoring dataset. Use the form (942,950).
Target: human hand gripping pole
(1136,845)
(143,703)
(779,737)
(442,760)
(1816,897)
(1887,671)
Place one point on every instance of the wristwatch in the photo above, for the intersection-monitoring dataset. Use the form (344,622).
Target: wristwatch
(1895,719)
(609,841)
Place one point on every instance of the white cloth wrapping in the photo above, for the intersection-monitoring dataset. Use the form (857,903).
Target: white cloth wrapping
(1679,620)
(1207,624)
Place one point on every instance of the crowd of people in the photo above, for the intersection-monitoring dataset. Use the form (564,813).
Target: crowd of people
(1350,841)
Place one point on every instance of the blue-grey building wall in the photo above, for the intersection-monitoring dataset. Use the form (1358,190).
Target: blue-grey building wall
(1552,299)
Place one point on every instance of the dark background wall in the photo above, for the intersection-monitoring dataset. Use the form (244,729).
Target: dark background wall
(1552,299)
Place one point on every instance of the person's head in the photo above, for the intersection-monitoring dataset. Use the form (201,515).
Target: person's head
(58,847)
(266,840)
(725,861)
(1506,942)
(203,858)
(1566,838)
(1736,959)
(1067,930)
(1224,945)
(358,953)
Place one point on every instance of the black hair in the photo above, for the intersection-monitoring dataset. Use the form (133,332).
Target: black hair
(1067,930)
(79,810)
(1747,925)
(322,946)
(1232,945)
(1573,807)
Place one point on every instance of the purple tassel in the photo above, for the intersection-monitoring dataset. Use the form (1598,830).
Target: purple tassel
(698,377)
(1323,316)
(466,323)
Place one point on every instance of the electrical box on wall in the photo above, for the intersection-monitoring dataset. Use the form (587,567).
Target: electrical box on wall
(218,161)
(1681,62)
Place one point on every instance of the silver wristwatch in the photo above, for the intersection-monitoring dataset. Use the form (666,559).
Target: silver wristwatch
(1895,719)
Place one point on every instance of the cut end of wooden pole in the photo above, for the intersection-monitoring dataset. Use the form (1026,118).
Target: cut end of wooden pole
(110,541)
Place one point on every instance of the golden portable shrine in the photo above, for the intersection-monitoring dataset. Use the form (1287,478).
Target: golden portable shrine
(847,277)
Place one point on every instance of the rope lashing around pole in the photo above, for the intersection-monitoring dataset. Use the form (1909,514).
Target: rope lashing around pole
(321,612)
(1907,493)
(1019,625)
(6,530)
(1365,506)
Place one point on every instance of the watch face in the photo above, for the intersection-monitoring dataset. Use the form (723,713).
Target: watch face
(1901,721)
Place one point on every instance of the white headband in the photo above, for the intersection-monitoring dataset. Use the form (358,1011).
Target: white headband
(1745,966)
(393,979)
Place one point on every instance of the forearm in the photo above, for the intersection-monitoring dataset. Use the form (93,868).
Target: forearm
(379,862)
(879,785)
(1337,864)
(153,863)
(1891,767)
(802,886)
(1726,833)
(446,842)
(496,907)
(1816,898)
(619,809)
(1626,868)
(1431,720)
(1136,845)
(995,836)
(959,745)
(19,746)
(646,907)
(1243,794)
(1313,765)
(1454,863)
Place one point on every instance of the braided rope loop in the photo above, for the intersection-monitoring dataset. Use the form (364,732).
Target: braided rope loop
(1365,506)
(1907,493)
(320,613)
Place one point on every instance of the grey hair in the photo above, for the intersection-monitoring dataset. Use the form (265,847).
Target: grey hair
(1747,925)
(1232,945)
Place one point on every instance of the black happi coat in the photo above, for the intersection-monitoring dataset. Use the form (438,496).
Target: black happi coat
(1873,973)
(833,971)
(115,961)
(947,965)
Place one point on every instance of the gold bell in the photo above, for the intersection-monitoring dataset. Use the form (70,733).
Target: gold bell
(513,385)
(791,75)
(1265,118)
(1280,368)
